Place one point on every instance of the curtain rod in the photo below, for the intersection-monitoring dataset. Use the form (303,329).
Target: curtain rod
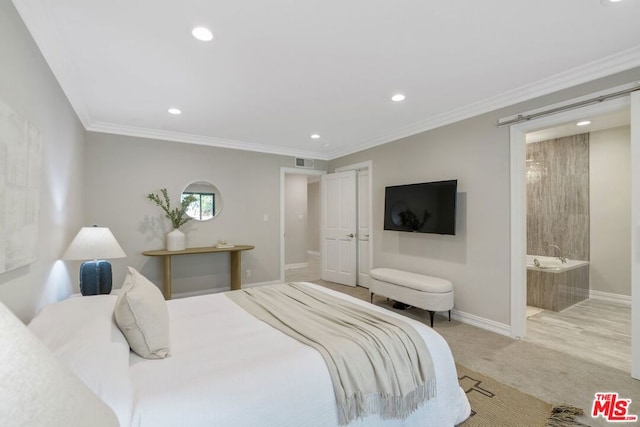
(520,118)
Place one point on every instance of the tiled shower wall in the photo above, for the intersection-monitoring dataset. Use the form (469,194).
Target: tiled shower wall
(558,196)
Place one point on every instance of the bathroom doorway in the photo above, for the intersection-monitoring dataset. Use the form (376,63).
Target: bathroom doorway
(518,203)
(578,182)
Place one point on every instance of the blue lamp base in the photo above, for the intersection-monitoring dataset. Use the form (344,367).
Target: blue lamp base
(95,277)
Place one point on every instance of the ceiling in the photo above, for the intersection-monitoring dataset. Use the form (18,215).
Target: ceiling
(278,71)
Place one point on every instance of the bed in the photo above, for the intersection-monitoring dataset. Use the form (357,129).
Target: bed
(225,368)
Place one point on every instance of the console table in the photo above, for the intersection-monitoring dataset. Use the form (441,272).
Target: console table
(234,264)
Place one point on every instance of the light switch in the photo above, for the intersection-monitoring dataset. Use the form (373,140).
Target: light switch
(265,217)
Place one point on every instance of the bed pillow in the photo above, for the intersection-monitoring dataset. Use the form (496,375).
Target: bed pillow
(142,315)
(81,332)
(36,385)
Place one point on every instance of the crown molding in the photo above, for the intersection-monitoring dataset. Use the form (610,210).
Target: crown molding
(186,138)
(609,65)
(51,44)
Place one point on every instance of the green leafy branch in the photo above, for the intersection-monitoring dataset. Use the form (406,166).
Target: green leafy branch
(178,216)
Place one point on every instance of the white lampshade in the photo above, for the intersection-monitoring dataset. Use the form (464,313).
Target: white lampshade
(94,243)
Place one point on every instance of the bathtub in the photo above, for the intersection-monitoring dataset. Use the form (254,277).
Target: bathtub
(555,285)
(553,264)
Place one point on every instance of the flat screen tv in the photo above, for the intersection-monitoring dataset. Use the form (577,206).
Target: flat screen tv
(428,207)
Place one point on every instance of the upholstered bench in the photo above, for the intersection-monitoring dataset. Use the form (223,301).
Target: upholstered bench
(426,292)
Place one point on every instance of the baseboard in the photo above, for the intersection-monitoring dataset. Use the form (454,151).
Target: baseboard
(481,322)
(256,284)
(502,329)
(609,297)
(313,253)
(470,319)
(198,293)
(295,266)
(219,289)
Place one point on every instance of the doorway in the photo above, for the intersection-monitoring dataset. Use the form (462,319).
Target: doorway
(578,210)
(364,171)
(518,211)
(294,256)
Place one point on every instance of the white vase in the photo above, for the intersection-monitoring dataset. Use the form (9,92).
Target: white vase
(176,240)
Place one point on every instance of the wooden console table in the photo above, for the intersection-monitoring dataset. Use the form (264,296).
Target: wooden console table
(234,264)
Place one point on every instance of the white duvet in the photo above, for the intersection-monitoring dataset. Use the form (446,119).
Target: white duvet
(229,369)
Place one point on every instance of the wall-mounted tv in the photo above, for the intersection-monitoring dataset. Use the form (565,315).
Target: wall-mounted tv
(428,207)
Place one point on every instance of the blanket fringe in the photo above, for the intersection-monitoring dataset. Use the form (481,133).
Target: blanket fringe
(564,416)
(386,405)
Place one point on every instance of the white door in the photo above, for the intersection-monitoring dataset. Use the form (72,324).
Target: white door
(339,241)
(364,264)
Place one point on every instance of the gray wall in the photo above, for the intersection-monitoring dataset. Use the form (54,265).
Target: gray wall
(313,210)
(476,259)
(476,152)
(28,86)
(611,211)
(558,197)
(122,170)
(295,219)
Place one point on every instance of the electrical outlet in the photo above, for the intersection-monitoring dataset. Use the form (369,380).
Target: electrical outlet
(247,273)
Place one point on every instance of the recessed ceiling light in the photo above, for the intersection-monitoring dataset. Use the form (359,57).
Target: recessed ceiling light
(315,136)
(174,111)
(609,2)
(202,33)
(398,97)
(583,123)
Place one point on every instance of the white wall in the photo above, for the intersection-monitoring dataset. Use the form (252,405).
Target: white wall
(295,219)
(477,153)
(122,170)
(610,210)
(28,86)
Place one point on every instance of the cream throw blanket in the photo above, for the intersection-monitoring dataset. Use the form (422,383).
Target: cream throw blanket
(378,364)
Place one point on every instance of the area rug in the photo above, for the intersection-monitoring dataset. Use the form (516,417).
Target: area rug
(494,404)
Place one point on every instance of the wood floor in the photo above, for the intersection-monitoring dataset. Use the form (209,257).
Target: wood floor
(595,330)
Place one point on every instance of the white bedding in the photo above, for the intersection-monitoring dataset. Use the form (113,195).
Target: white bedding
(81,332)
(229,369)
(226,368)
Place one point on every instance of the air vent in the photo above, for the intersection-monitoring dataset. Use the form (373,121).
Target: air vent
(304,163)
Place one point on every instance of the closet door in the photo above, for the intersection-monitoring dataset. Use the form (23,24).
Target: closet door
(339,228)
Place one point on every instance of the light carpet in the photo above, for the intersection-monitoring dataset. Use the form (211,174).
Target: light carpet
(544,373)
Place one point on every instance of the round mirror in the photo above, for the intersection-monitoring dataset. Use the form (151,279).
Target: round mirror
(208,200)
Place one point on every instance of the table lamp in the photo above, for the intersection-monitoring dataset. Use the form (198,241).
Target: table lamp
(95,245)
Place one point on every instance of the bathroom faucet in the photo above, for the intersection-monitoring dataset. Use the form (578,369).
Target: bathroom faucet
(559,251)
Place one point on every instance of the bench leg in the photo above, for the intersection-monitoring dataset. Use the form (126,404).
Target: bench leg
(371,297)
(431,314)
(449,315)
